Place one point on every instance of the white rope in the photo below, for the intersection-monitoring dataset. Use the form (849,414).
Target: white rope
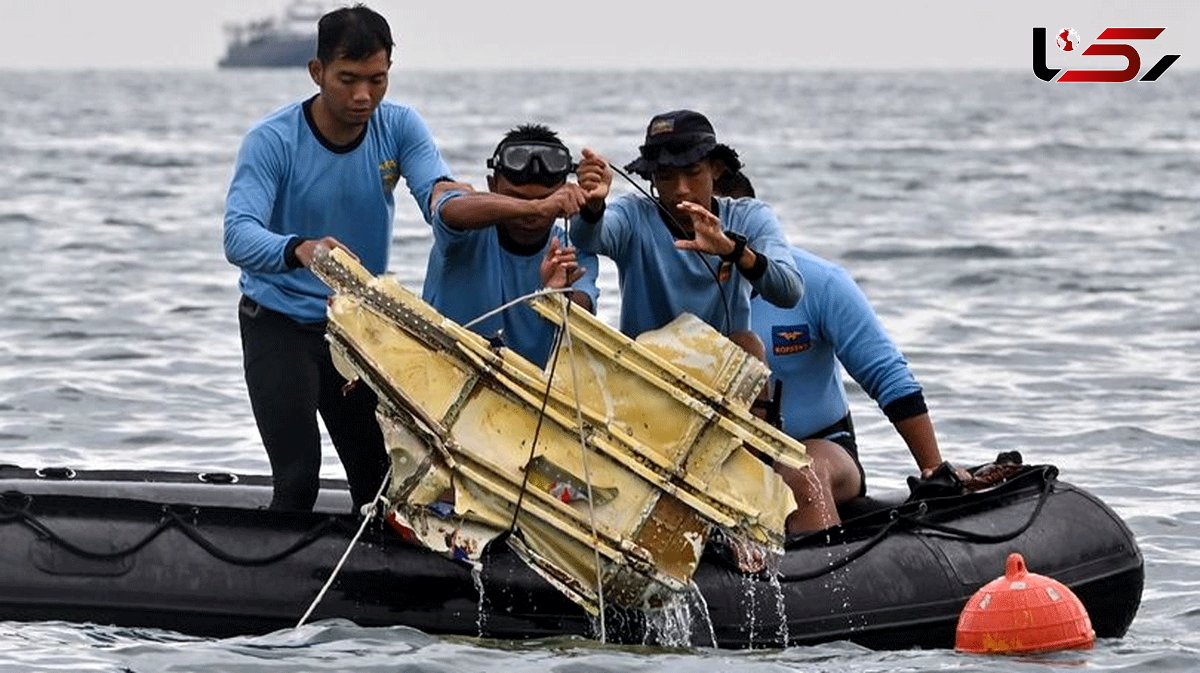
(368,511)
(587,474)
(504,307)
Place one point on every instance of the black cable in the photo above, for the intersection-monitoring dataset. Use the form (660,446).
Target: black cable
(172,520)
(312,535)
(918,522)
(537,430)
(970,536)
(845,560)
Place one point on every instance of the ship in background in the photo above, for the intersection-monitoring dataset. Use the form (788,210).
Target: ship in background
(287,41)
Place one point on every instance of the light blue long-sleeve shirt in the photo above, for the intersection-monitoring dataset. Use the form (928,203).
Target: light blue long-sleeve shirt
(833,323)
(289,183)
(659,281)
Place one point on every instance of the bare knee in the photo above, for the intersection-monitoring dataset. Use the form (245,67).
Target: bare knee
(830,479)
(815,506)
(836,468)
(805,483)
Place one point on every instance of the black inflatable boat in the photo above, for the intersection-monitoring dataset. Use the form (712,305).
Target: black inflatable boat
(197,553)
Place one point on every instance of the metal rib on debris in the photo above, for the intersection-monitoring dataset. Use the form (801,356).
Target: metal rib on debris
(461,414)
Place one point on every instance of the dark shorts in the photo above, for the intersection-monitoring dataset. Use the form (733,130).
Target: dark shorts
(842,434)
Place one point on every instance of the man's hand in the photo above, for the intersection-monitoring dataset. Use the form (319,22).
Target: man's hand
(559,267)
(564,202)
(306,251)
(709,236)
(959,472)
(595,177)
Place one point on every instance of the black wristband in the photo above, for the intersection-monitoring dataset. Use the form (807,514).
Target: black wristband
(739,246)
(289,253)
(592,217)
(758,270)
(904,408)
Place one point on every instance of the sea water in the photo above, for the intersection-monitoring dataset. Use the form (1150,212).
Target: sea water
(1031,247)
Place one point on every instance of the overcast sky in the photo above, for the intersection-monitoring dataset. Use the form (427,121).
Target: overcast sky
(620,34)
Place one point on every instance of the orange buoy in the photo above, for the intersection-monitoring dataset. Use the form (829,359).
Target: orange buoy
(1023,612)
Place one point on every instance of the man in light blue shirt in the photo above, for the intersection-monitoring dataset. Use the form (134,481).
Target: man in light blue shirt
(492,247)
(687,251)
(806,346)
(321,173)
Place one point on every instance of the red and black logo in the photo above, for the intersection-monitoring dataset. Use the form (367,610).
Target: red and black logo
(1106,44)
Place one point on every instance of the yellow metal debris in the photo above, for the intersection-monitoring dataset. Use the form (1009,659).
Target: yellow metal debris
(666,424)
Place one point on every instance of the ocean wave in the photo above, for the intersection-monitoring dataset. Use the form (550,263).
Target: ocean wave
(147,160)
(126,223)
(18,218)
(962,252)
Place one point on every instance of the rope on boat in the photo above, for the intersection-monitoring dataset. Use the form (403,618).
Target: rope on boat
(970,536)
(563,338)
(369,511)
(504,307)
(537,431)
(587,474)
(172,519)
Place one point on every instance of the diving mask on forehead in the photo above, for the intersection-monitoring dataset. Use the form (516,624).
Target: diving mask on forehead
(523,162)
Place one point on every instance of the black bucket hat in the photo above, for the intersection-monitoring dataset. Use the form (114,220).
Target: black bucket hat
(680,138)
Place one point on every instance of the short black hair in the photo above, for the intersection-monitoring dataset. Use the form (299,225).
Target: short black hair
(529,133)
(734,184)
(732,181)
(352,32)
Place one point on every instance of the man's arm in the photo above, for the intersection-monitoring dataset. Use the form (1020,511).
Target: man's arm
(421,163)
(918,434)
(442,186)
(564,266)
(873,360)
(587,228)
(478,210)
(763,257)
(257,177)
(772,269)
